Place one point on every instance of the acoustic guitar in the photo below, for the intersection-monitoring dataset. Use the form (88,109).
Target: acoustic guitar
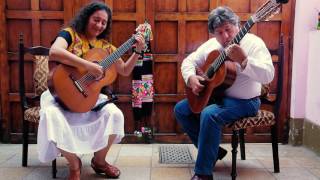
(77,90)
(218,72)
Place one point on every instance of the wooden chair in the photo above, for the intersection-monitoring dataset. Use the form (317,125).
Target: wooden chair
(30,104)
(263,118)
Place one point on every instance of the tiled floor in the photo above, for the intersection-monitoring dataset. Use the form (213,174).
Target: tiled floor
(141,162)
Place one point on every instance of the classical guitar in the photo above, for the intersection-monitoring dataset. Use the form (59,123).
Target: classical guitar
(221,73)
(76,89)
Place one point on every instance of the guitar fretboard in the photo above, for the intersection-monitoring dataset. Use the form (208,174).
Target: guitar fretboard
(108,61)
(236,40)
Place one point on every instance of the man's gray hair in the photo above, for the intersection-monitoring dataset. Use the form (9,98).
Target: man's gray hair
(221,15)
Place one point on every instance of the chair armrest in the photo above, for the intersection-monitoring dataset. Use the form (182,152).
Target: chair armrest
(269,99)
(32,101)
(111,98)
(101,105)
(107,91)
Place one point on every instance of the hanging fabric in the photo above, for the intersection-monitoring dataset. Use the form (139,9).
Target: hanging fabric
(142,86)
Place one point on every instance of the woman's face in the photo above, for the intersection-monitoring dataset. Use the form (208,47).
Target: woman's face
(97,24)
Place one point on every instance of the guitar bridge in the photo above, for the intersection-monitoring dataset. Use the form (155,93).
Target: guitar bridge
(78,85)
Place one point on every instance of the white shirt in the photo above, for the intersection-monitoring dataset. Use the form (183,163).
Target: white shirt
(259,69)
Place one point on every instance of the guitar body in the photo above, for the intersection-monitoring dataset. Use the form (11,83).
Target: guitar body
(214,87)
(69,94)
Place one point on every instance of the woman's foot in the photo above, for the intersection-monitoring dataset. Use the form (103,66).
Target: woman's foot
(74,174)
(106,169)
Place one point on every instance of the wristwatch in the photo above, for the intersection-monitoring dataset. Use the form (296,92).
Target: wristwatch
(137,52)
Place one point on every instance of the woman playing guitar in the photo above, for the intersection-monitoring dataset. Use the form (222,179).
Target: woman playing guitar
(70,133)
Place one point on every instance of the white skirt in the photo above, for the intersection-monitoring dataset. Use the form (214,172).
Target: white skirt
(79,133)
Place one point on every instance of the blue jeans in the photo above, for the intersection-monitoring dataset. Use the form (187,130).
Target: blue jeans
(206,132)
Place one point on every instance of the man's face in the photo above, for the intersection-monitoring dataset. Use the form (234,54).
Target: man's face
(225,33)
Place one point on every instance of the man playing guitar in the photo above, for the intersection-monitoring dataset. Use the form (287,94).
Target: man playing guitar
(252,66)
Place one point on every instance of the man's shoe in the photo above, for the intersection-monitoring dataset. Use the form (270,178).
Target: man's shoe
(202,177)
(221,153)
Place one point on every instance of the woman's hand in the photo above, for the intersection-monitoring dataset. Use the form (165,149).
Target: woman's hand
(125,68)
(140,43)
(95,70)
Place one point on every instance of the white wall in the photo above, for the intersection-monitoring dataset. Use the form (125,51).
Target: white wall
(313,83)
(306,16)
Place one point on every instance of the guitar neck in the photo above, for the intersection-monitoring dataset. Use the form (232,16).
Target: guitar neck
(236,40)
(243,31)
(108,61)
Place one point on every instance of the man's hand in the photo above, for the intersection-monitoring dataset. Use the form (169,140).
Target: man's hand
(236,53)
(195,85)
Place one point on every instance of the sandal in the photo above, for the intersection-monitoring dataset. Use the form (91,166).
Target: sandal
(107,169)
(75,174)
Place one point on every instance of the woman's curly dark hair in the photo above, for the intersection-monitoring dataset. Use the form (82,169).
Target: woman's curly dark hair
(80,21)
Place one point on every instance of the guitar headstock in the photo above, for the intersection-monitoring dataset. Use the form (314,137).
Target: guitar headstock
(267,10)
(145,30)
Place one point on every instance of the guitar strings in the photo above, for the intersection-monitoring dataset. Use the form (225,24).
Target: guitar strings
(223,54)
(267,8)
(87,78)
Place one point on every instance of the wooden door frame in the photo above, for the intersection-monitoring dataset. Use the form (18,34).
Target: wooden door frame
(148,6)
(5,96)
(4,83)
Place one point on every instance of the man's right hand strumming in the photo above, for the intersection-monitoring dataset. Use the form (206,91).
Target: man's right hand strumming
(194,83)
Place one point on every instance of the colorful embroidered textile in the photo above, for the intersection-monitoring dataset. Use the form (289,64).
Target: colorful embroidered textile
(142,90)
(142,86)
(81,46)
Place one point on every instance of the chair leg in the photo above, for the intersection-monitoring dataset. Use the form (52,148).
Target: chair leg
(274,140)
(54,168)
(234,154)
(25,137)
(242,145)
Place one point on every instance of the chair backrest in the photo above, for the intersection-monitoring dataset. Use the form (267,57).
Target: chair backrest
(41,68)
(280,64)
(280,75)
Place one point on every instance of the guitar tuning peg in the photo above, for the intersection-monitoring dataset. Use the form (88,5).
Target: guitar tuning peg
(272,14)
(277,11)
(270,17)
